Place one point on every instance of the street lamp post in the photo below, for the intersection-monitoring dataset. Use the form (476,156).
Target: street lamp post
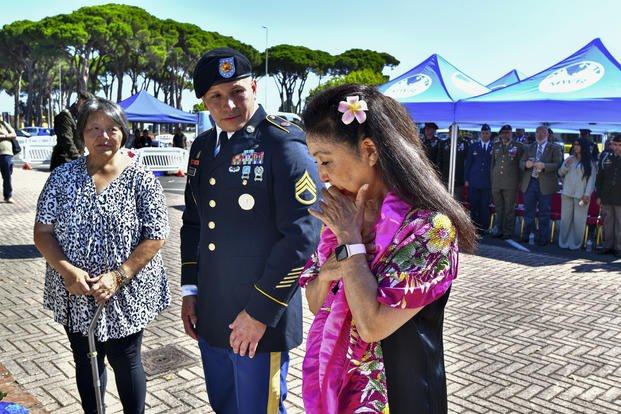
(266,59)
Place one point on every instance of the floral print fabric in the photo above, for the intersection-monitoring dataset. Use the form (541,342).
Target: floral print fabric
(416,262)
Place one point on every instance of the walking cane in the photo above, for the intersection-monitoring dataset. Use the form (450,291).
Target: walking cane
(92,354)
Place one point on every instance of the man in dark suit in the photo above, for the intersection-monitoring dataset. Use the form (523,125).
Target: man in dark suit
(477,174)
(540,163)
(245,238)
(69,146)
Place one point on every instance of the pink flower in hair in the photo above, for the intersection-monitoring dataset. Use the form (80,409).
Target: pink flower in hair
(353,108)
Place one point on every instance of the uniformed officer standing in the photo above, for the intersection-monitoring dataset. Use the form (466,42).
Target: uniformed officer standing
(444,162)
(506,174)
(477,175)
(608,190)
(245,238)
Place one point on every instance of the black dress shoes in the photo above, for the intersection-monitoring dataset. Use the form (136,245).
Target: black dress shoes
(605,251)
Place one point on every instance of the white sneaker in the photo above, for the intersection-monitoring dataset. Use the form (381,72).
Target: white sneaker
(9,200)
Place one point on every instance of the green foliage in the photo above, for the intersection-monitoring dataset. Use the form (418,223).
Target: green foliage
(360,59)
(364,76)
(2,395)
(96,47)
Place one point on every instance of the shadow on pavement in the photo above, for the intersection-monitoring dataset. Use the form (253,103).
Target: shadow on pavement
(19,251)
(543,255)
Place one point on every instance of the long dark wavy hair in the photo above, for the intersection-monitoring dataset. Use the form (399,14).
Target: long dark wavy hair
(402,162)
(586,159)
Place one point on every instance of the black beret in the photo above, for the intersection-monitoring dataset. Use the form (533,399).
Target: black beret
(585,131)
(431,125)
(219,66)
(505,127)
(485,127)
(616,138)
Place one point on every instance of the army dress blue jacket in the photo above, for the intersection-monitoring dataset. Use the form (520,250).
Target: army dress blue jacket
(246,231)
(477,169)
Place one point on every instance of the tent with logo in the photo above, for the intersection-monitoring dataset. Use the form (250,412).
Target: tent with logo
(143,107)
(430,90)
(507,79)
(583,90)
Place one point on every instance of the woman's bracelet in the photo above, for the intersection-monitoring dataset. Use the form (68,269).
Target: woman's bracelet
(121,276)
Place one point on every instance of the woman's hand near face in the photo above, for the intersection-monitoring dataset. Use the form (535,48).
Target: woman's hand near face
(104,286)
(343,216)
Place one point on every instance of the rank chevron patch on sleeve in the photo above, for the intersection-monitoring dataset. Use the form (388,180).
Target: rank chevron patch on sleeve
(305,189)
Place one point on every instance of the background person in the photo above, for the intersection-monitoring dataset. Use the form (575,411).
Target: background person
(477,174)
(7,133)
(250,184)
(101,221)
(505,175)
(144,140)
(540,163)
(69,145)
(608,190)
(179,140)
(377,333)
(578,172)
(444,162)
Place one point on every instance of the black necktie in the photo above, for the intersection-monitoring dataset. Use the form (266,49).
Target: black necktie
(222,138)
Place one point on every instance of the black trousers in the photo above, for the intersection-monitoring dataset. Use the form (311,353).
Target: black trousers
(124,358)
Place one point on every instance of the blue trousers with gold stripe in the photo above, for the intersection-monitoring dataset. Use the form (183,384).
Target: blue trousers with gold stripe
(241,385)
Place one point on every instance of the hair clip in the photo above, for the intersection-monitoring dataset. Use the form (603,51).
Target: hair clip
(353,108)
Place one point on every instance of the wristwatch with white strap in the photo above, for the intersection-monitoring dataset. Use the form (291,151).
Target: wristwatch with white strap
(344,251)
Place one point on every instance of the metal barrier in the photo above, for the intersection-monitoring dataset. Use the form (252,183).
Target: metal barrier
(154,159)
(163,159)
(36,153)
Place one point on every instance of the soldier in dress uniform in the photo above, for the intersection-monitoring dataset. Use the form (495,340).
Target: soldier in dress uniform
(608,190)
(506,173)
(444,162)
(245,238)
(431,143)
(477,178)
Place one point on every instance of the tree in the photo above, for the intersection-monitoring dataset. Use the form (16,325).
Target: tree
(358,59)
(364,76)
(291,65)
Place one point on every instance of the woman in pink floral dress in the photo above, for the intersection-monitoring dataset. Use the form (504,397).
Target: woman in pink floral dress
(382,273)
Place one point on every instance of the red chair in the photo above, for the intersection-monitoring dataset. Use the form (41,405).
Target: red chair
(519,209)
(466,202)
(555,212)
(492,215)
(594,219)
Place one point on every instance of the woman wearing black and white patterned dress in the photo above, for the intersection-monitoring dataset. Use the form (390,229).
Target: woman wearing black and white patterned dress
(101,221)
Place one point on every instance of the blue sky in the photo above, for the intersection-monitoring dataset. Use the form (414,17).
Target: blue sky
(483,38)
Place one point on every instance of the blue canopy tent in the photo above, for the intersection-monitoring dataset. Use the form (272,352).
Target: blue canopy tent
(507,79)
(583,90)
(429,90)
(143,107)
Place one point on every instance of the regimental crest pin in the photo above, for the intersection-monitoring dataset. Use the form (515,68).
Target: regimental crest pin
(305,189)
(226,68)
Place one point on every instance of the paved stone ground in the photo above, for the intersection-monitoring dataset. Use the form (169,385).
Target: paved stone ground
(524,333)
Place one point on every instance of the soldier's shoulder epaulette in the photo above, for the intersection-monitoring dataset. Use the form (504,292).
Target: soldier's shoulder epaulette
(282,124)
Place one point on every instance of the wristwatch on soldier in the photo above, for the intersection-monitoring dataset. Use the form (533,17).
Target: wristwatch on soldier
(344,251)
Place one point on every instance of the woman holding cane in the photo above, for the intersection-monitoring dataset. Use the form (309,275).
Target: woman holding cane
(101,221)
